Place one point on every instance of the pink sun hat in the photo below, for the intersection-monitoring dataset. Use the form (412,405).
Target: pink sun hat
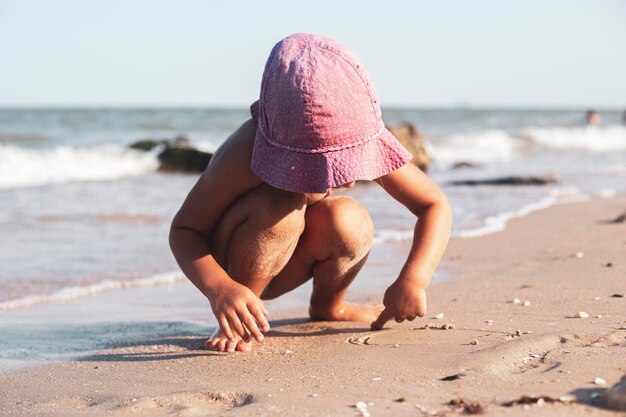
(319,123)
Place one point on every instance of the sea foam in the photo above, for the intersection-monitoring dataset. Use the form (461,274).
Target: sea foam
(591,138)
(21,167)
(476,147)
(74,292)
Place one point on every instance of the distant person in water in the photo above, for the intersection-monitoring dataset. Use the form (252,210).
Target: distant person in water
(593,118)
(261,221)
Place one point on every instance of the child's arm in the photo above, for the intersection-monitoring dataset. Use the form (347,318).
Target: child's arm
(405,299)
(227,177)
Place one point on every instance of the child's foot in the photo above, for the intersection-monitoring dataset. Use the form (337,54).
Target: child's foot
(347,312)
(220,343)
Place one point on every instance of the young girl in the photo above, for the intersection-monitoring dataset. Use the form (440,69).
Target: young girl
(260,220)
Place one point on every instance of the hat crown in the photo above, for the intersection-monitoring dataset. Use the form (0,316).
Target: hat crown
(317,97)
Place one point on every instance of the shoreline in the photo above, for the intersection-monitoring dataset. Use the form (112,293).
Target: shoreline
(556,258)
(493,224)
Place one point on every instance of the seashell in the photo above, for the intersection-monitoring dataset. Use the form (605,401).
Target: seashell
(439,316)
(567,398)
(430,326)
(518,332)
(582,315)
(474,342)
(599,381)
(578,255)
(447,326)
(516,300)
(362,407)
(526,303)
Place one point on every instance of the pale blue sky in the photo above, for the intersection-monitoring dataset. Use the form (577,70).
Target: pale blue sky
(210,53)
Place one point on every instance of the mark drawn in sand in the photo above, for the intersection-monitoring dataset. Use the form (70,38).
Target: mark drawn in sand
(536,353)
(180,405)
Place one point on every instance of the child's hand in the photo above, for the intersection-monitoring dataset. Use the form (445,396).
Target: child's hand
(403,300)
(235,306)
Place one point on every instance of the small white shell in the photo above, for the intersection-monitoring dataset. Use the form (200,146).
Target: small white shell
(582,315)
(599,381)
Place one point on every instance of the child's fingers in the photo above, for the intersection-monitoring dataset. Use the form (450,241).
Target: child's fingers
(225,327)
(259,316)
(383,318)
(250,324)
(236,325)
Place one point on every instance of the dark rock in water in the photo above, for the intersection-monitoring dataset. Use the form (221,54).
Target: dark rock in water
(177,155)
(149,144)
(177,159)
(413,140)
(464,164)
(146,145)
(532,180)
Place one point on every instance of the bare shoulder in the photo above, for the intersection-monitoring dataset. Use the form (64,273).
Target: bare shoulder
(237,149)
(227,177)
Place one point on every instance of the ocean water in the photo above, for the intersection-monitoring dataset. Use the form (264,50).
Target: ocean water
(84,220)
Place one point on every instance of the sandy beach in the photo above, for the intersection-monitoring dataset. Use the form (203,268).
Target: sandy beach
(511,304)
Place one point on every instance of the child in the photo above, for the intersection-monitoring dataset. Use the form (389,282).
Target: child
(260,220)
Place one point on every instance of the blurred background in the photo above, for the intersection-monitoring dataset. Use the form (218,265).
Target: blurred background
(529,96)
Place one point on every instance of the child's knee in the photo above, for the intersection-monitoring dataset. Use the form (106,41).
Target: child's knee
(349,226)
(281,215)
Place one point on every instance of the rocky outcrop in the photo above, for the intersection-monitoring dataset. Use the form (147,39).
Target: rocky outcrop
(413,140)
(517,180)
(176,155)
(177,159)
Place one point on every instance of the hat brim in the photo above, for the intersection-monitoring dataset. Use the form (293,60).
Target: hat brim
(317,172)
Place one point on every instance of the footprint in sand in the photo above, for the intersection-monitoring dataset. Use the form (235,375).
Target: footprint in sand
(183,404)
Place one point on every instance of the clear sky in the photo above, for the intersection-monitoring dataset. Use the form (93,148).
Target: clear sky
(211,53)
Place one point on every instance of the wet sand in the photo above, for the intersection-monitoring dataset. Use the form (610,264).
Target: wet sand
(562,261)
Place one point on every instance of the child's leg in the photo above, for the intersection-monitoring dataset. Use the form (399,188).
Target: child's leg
(334,246)
(267,242)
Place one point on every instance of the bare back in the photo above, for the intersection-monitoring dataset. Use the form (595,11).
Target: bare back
(227,178)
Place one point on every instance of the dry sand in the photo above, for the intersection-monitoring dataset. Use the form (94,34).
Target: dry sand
(561,260)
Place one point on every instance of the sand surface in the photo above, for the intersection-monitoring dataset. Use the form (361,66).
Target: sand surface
(561,260)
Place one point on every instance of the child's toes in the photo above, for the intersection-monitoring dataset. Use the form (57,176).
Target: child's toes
(211,344)
(221,344)
(231,345)
(244,346)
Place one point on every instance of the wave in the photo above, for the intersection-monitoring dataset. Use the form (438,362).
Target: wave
(74,292)
(476,147)
(22,167)
(499,146)
(591,138)
(498,222)
(389,235)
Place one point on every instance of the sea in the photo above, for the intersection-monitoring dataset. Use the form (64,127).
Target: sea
(84,219)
